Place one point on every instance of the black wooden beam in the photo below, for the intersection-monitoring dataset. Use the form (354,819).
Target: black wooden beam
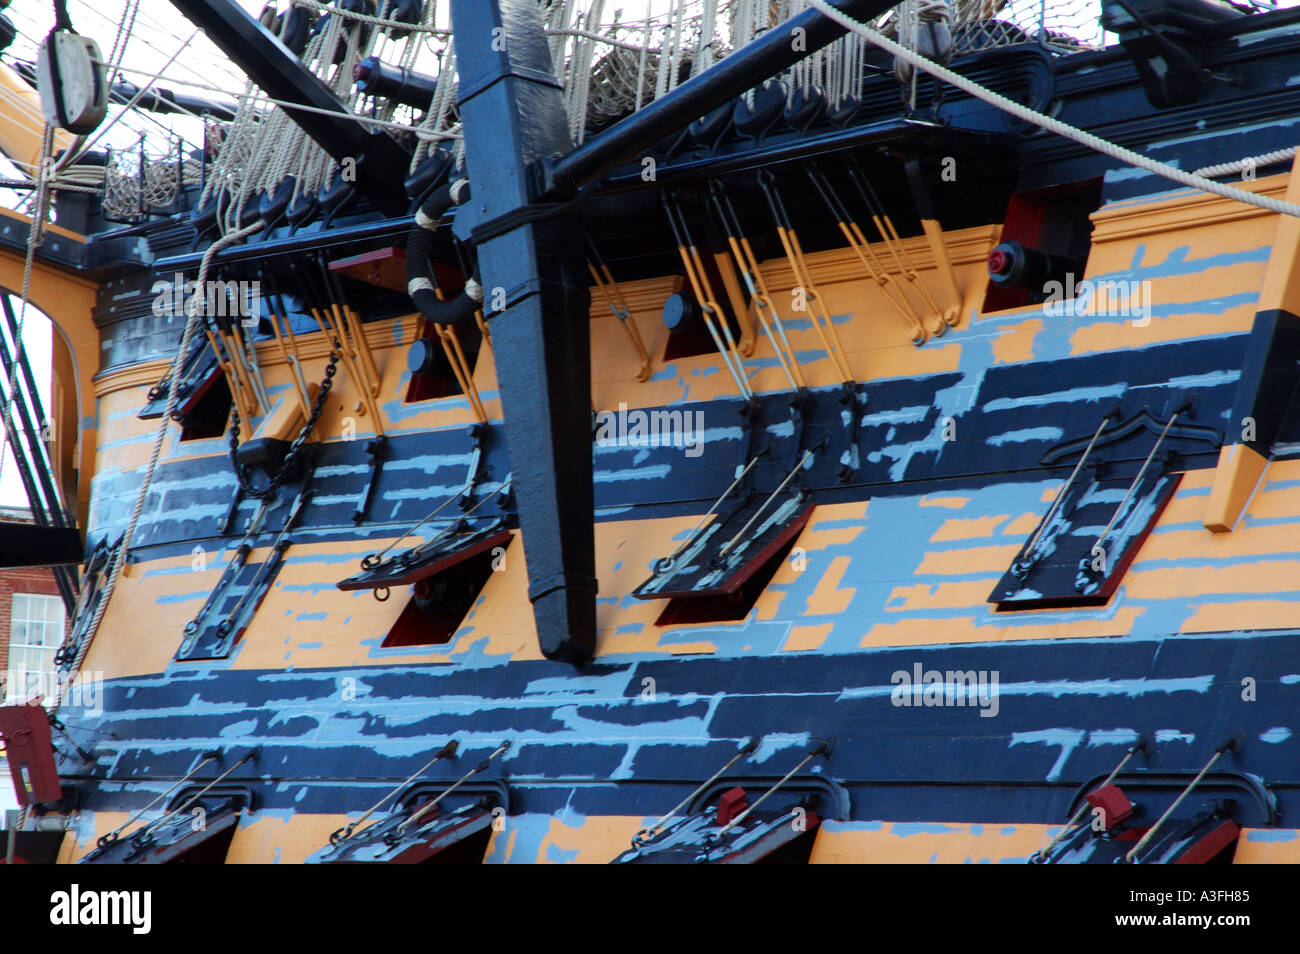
(512,115)
(514,124)
(381,162)
(26,544)
(765,56)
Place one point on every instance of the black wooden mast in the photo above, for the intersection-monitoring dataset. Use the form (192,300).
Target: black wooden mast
(512,116)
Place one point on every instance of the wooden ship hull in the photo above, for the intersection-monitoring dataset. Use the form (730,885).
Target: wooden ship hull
(938,571)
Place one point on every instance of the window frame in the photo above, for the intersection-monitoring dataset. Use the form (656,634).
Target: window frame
(17,675)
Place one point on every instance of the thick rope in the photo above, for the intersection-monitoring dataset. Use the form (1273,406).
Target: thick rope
(1134,486)
(1053,125)
(1133,853)
(1250,162)
(372,20)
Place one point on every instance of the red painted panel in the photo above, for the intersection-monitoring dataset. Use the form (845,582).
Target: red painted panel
(26,733)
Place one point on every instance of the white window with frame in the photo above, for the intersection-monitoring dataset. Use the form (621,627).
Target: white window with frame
(35,632)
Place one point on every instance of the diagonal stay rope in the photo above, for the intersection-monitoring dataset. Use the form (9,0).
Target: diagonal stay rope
(1048,123)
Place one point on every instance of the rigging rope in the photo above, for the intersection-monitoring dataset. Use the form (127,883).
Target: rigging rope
(1096,143)
(725,548)
(346,832)
(820,749)
(112,836)
(433,804)
(663,565)
(1150,833)
(1134,485)
(646,835)
(1250,162)
(1065,488)
(1043,854)
(184,806)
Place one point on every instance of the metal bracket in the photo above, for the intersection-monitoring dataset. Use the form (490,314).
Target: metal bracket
(377,451)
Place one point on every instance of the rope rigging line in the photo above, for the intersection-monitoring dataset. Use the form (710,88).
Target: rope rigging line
(819,749)
(455,354)
(1250,162)
(374,559)
(857,242)
(613,295)
(1229,746)
(35,235)
(148,829)
(646,835)
(1136,481)
(763,506)
(112,836)
(704,295)
(662,565)
(140,93)
(421,548)
(347,14)
(1065,487)
(794,254)
(893,242)
(752,274)
(331,326)
(343,834)
(287,343)
(1041,855)
(433,804)
(1096,143)
(277,546)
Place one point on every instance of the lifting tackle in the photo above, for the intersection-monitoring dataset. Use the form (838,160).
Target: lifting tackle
(715,319)
(898,251)
(820,317)
(876,269)
(769,318)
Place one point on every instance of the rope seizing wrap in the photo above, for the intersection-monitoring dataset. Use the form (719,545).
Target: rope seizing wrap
(419,242)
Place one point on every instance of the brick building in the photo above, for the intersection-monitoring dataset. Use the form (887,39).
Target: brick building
(31,628)
(31,617)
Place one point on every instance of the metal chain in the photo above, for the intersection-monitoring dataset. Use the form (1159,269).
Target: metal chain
(295,449)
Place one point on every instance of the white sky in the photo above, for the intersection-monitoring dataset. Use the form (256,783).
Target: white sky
(158,32)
